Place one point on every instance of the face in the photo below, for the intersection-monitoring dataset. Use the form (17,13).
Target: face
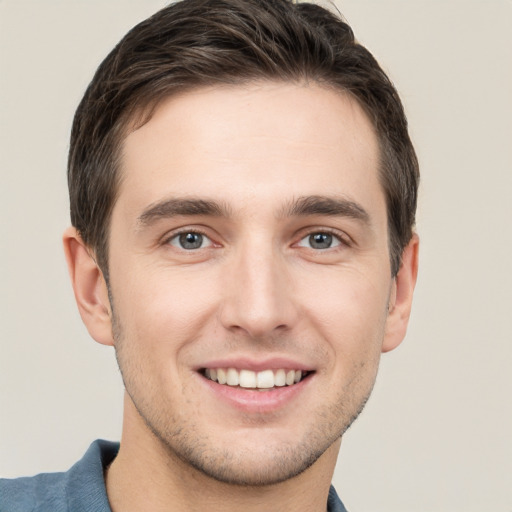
(250,276)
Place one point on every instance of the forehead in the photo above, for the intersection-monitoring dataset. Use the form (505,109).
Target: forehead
(262,141)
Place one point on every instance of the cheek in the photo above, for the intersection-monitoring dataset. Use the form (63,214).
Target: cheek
(163,307)
(350,309)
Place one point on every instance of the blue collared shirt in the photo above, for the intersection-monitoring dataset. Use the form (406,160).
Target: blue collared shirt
(81,489)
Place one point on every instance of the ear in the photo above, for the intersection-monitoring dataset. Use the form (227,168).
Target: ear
(90,288)
(400,299)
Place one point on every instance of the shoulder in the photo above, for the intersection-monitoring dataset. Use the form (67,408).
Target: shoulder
(79,489)
(41,492)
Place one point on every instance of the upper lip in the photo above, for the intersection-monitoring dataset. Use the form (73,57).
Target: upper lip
(258,365)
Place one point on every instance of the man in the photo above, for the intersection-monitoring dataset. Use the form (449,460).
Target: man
(243,192)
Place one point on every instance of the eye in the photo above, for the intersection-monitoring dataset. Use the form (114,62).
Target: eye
(190,241)
(320,240)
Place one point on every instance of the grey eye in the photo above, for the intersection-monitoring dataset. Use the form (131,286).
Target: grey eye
(319,241)
(190,241)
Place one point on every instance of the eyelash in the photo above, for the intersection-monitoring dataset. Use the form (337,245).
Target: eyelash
(342,240)
(184,231)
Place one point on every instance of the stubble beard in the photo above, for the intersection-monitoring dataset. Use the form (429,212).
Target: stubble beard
(188,446)
(256,469)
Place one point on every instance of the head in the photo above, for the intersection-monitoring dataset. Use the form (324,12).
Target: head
(199,43)
(243,191)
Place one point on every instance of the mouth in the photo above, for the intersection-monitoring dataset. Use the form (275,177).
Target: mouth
(264,380)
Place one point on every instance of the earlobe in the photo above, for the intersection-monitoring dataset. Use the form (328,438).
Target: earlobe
(400,301)
(89,286)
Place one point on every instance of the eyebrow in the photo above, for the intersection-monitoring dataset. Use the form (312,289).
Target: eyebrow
(300,207)
(328,206)
(178,206)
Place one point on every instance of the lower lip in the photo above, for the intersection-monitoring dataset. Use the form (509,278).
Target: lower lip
(252,401)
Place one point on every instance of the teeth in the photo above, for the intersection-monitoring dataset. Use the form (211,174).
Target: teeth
(232,377)
(247,379)
(262,381)
(265,379)
(221,376)
(280,378)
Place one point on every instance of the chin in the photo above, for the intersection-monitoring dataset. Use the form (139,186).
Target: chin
(256,468)
(258,458)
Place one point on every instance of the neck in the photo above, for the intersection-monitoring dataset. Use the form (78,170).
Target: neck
(146,476)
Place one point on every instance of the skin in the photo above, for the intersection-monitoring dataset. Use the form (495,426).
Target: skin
(257,289)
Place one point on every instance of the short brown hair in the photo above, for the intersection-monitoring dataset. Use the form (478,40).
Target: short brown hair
(195,43)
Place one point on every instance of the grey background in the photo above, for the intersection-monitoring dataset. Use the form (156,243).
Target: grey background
(436,435)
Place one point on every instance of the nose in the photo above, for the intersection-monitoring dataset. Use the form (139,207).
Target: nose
(259,293)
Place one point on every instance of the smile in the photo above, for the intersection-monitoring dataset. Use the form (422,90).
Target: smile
(263,380)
